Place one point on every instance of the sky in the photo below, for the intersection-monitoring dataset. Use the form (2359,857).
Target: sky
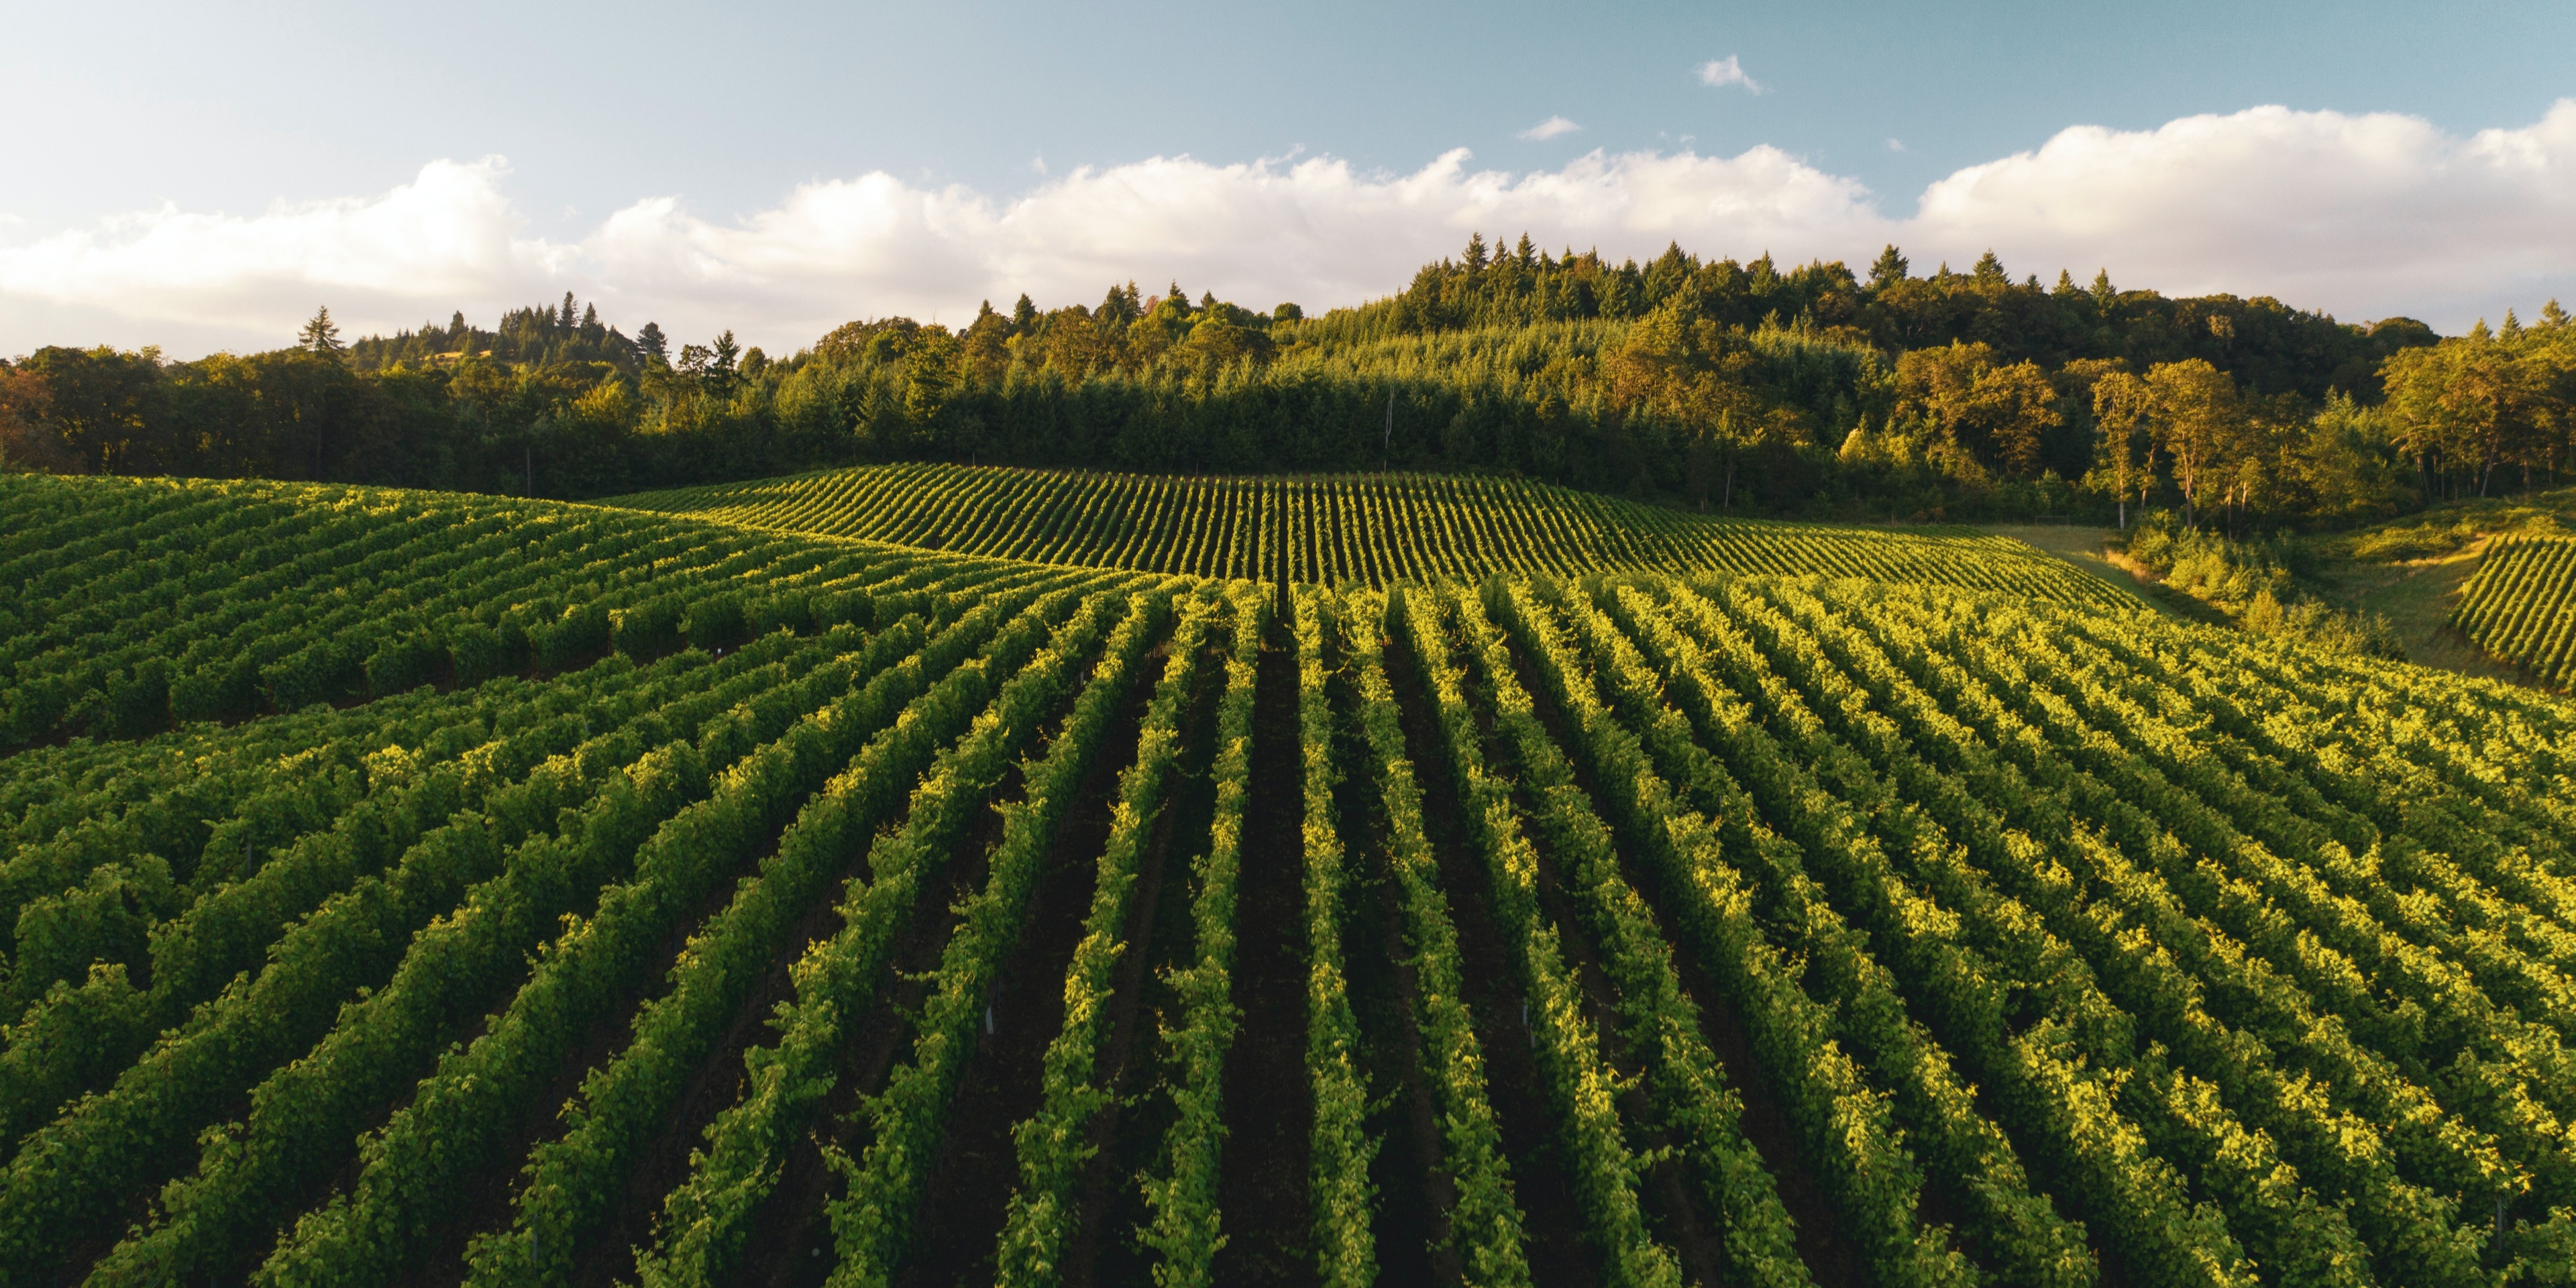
(203,176)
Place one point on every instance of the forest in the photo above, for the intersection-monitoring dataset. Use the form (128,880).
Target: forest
(1706,383)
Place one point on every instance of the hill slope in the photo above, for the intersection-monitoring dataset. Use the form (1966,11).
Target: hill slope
(1370,529)
(581,894)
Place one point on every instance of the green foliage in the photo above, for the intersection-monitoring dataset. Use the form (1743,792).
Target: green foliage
(1802,392)
(2252,580)
(1932,926)
(1376,529)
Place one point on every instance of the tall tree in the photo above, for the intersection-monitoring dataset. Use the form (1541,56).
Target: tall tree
(2123,408)
(1888,269)
(321,335)
(2198,423)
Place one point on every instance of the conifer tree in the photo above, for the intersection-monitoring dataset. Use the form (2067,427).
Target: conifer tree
(1889,269)
(321,335)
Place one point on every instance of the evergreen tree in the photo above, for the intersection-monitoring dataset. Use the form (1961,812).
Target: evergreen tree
(1990,270)
(321,335)
(2103,296)
(655,346)
(1889,269)
(1024,314)
(566,320)
(1475,253)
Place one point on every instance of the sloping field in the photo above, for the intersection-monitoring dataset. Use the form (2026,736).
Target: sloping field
(2518,606)
(1337,530)
(558,894)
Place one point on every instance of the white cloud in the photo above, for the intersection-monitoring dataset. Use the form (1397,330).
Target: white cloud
(448,234)
(1720,72)
(1896,145)
(2363,216)
(1550,128)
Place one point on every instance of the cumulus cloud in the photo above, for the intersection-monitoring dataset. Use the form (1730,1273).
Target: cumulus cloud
(445,235)
(2361,215)
(1550,128)
(1721,72)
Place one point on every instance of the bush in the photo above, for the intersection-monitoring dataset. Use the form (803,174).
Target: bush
(216,691)
(831,608)
(717,621)
(475,651)
(648,630)
(787,611)
(403,662)
(582,630)
(138,703)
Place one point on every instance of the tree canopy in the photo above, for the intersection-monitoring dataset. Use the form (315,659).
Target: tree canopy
(1711,383)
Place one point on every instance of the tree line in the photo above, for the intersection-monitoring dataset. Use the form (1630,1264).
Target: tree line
(1710,383)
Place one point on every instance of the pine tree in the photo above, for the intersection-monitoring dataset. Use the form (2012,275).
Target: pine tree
(321,335)
(1526,253)
(1024,314)
(566,320)
(1990,270)
(1889,269)
(654,345)
(1476,259)
(2103,296)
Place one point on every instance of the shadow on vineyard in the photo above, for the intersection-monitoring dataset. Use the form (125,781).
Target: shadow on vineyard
(1296,881)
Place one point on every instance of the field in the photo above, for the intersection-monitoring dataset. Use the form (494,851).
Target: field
(2516,606)
(1340,530)
(418,888)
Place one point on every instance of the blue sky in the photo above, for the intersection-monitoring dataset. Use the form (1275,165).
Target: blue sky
(192,174)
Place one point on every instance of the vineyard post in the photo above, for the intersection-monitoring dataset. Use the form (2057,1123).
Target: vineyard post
(1386,444)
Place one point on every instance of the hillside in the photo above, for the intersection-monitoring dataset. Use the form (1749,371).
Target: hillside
(1745,387)
(423,888)
(1370,529)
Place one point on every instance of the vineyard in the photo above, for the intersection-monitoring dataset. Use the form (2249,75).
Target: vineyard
(1364,529)
(2517,607)
(416,888)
